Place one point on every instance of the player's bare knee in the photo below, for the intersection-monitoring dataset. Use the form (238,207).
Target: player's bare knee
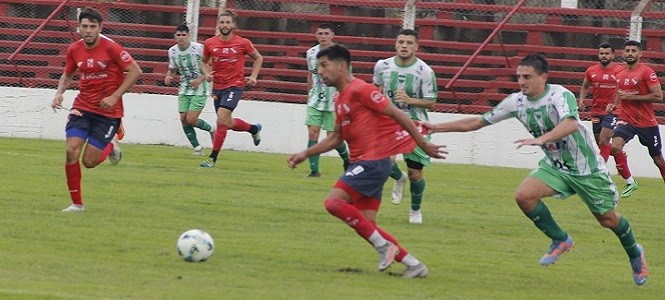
(415,176)
(526,199)
(609,219)
(90,163)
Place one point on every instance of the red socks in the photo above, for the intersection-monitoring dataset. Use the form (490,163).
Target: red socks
(220,136)
(240,125)
(105,153)
(605,151)
(387,236)
(622,164)
(73,173)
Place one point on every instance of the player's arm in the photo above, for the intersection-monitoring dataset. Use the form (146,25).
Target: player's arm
(133,73)
(461,125)
(331,141)
(256,67)
(205,60)
(403,120)
(63,84)
(565,128)
(583,91)
(402,97)
(655,95)
(170,74)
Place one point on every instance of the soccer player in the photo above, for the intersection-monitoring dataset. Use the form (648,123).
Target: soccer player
(601,77)
(226,54)
(411,85)
(374,130)
(571,164)
(185,58)
(95,115)
(320,103)
(638,88)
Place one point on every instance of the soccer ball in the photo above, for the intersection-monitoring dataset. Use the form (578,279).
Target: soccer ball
(195,245)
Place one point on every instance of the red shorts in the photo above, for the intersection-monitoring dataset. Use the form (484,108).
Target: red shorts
(358,200)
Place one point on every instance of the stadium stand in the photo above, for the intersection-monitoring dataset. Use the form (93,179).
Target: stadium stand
(487,80)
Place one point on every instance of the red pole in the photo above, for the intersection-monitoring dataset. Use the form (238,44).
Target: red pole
(487,40)
(41,26)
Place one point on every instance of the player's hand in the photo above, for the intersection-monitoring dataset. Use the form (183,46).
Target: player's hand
(167,80)
(209,76)
(108,102)
(402,97)
(610,107)
(623,95)
(431,128)
(195,83)
(57,102)
(251,81)
(528,142)
(295,159)
(436,151)
(581,105)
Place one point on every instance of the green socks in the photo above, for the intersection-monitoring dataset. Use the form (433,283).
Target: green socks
(395,173)
(542,218)
(417,190)
(191,135)
(625,235)
(200,124)
(314,159)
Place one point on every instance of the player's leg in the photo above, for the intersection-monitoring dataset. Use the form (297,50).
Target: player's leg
(328,124)
(606,130)
(599,186)
(397,193)
(184,102)
(415,162)
(623,133)
(230,102)
(224,103)
(313,122)
(650,138)
(73,168)
(605,147)
(544,182)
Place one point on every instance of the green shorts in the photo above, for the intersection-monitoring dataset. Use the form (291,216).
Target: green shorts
(597,190)
(418,155)
(191,102)
(323,119)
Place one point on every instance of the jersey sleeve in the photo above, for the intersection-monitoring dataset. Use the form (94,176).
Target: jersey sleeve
(371,98)
(650,77)
(119,55)
(311,61)
(429,88)
(172,64)
(206,49)
(502,111)
(376,78)
(249,47)
(567,106)
(70,63)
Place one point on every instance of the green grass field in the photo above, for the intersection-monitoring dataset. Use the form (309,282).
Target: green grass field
(274,240)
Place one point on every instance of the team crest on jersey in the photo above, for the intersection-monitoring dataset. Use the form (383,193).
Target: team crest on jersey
(376,97)
(653,77)
(125,57)
(101,64)
(90,62)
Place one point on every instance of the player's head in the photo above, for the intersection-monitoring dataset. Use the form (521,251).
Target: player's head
(605,53)
(181,34)
(406,44)
(334,63)
(632,52)
(324,34)
(226,22)
(532,74)
(90,25)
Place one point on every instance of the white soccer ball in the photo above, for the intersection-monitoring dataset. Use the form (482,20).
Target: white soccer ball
(195,245)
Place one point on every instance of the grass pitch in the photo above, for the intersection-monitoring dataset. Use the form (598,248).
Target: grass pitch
(274,240)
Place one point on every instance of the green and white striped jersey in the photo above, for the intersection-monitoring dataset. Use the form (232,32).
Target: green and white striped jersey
(321,97)
(187,63)
(417,80)
(575,154)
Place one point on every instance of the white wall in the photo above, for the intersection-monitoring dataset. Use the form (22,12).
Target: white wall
(153,119)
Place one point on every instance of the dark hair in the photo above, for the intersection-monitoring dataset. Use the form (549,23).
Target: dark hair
(336,52)
(228,13)
(410,32)
(537,61)
(325,26)
(182,27)
(606,45)
(633,43)
(90,14)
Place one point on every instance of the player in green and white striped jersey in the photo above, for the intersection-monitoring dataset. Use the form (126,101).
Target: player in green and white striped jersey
(185,58)
(572,163)
(320,101)
(411,84)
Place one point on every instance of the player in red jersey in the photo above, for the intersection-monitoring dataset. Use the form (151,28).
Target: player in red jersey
(638,89)
(226,54)
(601,78)
(97,109)
(375,130)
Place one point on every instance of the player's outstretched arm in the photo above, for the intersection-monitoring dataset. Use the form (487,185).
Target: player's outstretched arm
(462,125)
(331,141)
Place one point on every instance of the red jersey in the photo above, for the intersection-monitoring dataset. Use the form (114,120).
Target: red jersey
(101,72)
(637,82)
(370,134)
(604,86)
(228,60)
